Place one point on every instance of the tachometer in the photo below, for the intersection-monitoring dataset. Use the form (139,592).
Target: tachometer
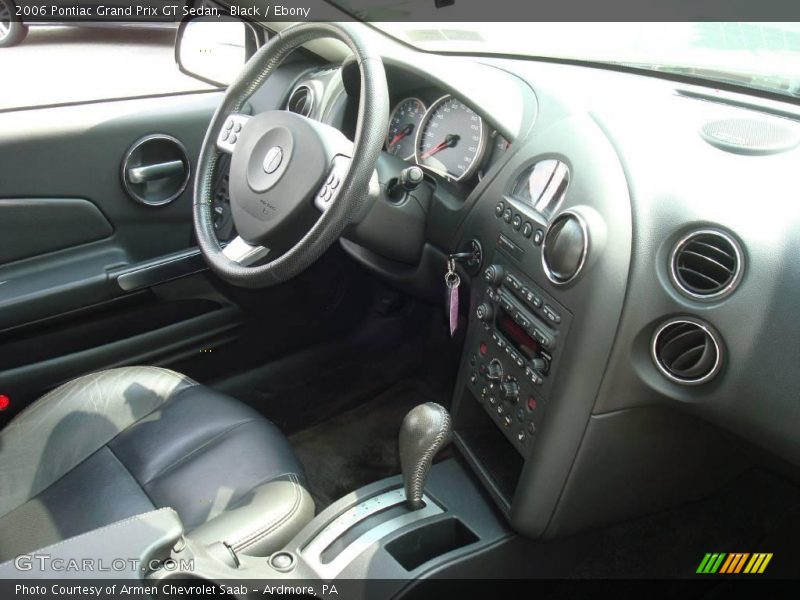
(403,125)
(451,139)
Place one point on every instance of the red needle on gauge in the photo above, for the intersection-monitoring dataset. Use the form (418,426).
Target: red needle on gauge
(401,134)
(450,141)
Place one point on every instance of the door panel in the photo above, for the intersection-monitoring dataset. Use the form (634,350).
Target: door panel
(89,276)
(32,226)
(75,153)
(92,278)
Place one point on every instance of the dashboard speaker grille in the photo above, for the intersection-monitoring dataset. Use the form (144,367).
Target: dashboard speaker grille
(750,136)
(706,264)
(686,351)
(301,100)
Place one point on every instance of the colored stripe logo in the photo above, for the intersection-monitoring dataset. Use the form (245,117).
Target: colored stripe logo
(734,563)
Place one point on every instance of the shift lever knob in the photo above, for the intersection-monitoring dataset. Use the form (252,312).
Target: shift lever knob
(425,431)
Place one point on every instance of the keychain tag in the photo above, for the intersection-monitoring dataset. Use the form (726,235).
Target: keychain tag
(452,281)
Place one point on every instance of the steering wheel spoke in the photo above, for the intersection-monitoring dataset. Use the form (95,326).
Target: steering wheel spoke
(231,131)
(243,253)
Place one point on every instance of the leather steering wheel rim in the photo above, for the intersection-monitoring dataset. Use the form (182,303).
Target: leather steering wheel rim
(373,114)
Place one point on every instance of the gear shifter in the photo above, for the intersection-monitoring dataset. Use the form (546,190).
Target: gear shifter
(425,431)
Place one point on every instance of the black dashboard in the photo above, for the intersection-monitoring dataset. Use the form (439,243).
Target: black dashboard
(629,308)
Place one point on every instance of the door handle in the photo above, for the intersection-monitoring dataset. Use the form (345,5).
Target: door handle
(155,171)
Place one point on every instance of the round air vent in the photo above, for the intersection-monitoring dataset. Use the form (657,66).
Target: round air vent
(706,264)
(301,100)
(686,351)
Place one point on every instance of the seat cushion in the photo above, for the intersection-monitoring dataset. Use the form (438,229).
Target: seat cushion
(121,442)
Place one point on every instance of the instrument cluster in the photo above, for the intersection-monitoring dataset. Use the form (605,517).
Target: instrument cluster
(444,136)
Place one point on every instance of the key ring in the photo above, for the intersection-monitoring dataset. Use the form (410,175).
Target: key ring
(452,280)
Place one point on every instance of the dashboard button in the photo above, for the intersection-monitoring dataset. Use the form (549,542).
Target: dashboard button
(538,237)
(507,216)
(498,210)
(517,222)
(527,229)
(551,314)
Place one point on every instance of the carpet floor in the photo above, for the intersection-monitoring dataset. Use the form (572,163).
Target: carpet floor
(358,446)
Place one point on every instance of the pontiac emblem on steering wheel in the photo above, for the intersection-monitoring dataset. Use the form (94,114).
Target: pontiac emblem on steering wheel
(273,159)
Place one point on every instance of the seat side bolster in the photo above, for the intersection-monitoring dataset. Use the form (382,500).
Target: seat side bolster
(66,426)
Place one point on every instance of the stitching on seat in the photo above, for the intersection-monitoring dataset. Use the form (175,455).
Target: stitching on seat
(261,533)
(202,446)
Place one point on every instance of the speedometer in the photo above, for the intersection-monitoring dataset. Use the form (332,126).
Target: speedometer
(403,125)
(451,139)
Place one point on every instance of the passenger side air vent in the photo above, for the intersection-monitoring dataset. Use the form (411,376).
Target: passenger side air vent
(686,351)
(301,100)
(706,264)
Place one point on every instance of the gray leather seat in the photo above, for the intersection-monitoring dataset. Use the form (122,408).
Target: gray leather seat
(121,442)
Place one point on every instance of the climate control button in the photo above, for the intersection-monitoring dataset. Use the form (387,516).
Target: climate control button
(494,372)
(484,312)
(510,391)
(494,274)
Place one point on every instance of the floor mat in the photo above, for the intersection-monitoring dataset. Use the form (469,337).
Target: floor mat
(359,446)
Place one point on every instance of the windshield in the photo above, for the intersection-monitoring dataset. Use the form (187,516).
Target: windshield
(762,56)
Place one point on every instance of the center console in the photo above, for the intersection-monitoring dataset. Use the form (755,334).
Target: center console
(513,348)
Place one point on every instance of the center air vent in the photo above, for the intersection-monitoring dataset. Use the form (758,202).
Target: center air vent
(301,100)
(687,351)
(706,264)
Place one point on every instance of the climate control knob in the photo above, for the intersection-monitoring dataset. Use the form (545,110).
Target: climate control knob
(484,312)
(510,391)
(494,372)
(494,274)
(539,364)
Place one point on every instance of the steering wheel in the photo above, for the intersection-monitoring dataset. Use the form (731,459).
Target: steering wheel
(295,184)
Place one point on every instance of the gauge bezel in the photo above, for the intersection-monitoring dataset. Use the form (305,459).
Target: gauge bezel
(476,163)
(413,155)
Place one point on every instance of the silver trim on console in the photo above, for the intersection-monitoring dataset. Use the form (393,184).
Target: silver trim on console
(312,552)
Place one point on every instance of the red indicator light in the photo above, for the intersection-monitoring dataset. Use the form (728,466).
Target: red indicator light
(483,348)
(531,403)
(5,402)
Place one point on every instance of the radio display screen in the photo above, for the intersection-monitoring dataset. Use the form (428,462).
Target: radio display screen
(517,336)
